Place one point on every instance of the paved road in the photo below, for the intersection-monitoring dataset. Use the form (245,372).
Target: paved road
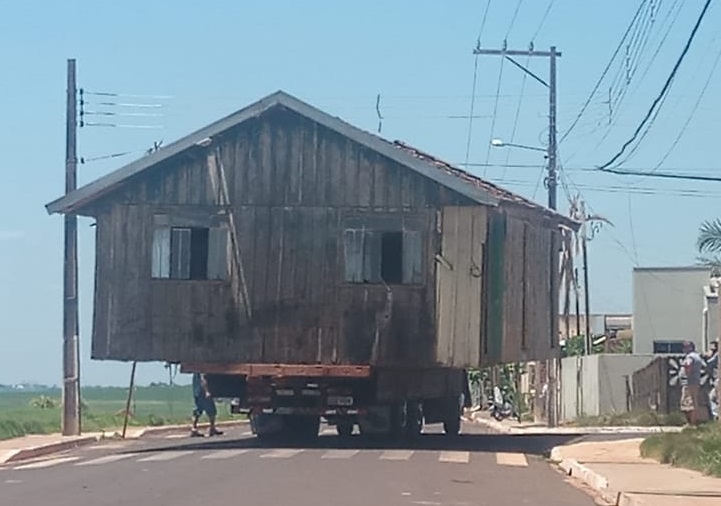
(475,468)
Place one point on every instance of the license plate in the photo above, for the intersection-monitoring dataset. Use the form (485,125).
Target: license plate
(340,400)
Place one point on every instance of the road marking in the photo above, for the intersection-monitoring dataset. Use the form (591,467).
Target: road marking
(247,433)
(164,456)
(281,454)
(223,454)
(396,455)
(339,454)
(455,457)
(107,459)
(46,463)
(511,459)
(327,432)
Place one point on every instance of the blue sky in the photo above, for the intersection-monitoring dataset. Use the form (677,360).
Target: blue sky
(212,58)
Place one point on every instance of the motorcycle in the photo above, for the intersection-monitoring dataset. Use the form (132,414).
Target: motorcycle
(501,408)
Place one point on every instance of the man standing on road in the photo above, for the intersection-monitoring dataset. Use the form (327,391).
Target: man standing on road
(693,401)
(203,403)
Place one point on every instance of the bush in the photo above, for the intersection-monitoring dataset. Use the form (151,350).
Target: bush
(156,421)
(43,402)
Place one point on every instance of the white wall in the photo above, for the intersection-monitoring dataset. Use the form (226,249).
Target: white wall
(603,384)
(668,305)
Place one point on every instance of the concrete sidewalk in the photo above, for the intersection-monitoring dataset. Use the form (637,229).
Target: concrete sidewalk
(33,446)
(514,427)
(616,470)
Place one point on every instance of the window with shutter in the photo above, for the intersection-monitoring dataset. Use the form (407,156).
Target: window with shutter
(392,257)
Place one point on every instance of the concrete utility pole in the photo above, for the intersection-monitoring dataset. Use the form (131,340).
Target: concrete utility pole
(71,359)
(552,186)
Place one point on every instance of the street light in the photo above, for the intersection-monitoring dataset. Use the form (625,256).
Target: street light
(499,143)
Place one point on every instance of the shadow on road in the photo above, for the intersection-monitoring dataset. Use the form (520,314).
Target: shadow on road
(530,444)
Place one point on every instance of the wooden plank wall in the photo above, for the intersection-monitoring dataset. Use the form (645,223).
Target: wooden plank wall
(527,306)
(290,183)
(459,286)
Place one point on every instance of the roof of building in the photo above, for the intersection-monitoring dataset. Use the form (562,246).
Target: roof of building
(441,172)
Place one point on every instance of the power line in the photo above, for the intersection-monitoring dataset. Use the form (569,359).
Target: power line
(513,19)
(664,90)
(518,113)
(495,108)
(691,114)
(604,73)
(483,22)
(473,104)
(543,20)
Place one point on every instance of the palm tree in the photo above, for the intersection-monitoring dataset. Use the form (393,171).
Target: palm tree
(709,244)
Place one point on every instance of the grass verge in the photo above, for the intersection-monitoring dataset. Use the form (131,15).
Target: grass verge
(697,448)
(644,419)
(103,408)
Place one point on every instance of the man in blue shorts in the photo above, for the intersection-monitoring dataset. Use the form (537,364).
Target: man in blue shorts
(204,403)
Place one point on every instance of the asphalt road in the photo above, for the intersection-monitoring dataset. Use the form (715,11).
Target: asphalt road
(475,468)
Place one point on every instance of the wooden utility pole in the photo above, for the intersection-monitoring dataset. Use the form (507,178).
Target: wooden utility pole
(551,184)
(71,368)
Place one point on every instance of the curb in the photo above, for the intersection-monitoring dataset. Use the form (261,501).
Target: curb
(42,450)
(531,430)
(147,431)
(597,482)
(47,449)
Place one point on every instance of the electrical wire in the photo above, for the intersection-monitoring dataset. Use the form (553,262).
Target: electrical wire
(495,109)
(664,90)
(603,74)
(543,20)
(483,22)
(513,19)
(473,104)
(518,114)
(691,114)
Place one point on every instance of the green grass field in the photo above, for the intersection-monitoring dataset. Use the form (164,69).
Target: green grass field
(24,413)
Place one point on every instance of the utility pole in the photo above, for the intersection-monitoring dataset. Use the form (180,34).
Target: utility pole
(71,359)
(551,185)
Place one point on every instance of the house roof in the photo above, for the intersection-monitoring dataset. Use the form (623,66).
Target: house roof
(451,177)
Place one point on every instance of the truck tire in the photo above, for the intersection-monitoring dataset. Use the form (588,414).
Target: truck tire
(414,419)
(344,428)
(452,427)
(303,428)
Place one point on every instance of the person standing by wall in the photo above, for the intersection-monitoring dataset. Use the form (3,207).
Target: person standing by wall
(712,367)
(693,401)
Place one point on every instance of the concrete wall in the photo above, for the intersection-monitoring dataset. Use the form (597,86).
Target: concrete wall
(603,383)
(668,305)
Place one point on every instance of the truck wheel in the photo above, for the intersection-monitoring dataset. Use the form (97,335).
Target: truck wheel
(302,427)
(414,419)
(344,429)
(452,427)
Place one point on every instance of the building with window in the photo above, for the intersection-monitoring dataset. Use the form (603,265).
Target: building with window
(671,305)
(283,234)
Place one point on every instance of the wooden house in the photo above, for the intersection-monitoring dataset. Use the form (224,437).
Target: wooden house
(282,234)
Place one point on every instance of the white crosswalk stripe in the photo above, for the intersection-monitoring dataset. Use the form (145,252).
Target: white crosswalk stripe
(327,432)
(164,456)
(107,459)
(281,454)
(223,454)
(455,457)
(46,463)
(511,459)
(397,455)
(340,454)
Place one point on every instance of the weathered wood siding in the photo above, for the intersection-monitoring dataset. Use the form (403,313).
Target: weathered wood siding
(287,188)
(527,306)
(459,290)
